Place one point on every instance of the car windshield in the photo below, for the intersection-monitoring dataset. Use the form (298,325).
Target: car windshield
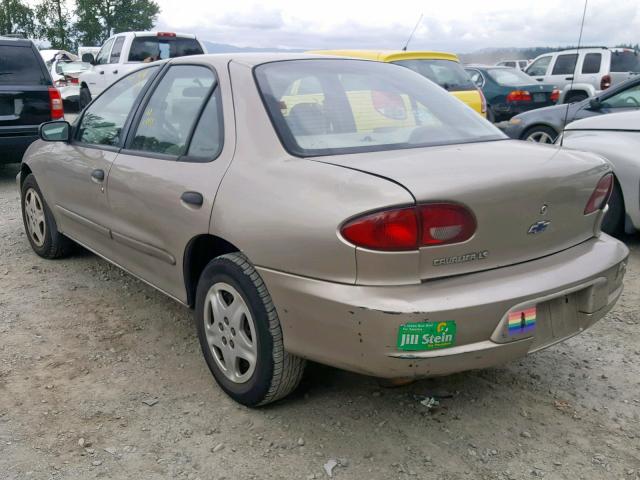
(329,107)
(509,77)
(448,74)
(149,49)
(625,61)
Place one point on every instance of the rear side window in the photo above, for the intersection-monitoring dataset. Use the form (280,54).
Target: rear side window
(19,65)
(625,61)
(448,74)
(150,49)
(591,63)
(116,50)
(173,109)
(565,64)
(539,67)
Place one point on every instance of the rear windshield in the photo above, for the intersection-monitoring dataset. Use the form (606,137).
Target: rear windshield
(448,74)
(509,77)
(20,65)
(625,61)
(150,49)
(330,107)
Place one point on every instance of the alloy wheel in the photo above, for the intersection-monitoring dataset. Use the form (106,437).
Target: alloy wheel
(36,222)
(540,137)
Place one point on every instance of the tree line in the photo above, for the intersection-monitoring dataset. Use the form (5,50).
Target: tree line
(65,24)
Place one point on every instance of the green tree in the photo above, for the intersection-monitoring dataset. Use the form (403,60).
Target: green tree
(16,17)
(55,25)
(99,19)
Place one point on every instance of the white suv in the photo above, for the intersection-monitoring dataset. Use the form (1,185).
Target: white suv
(591,70)
(127,51)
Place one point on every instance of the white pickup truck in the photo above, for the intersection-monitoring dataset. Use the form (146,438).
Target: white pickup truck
(127,51)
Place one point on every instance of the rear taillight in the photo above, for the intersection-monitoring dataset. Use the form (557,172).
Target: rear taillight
(411,228)
(605,82)
(60,83)
(73,80)
(518,96)
(555,95)
(55,104)
(600,195)
(483,100)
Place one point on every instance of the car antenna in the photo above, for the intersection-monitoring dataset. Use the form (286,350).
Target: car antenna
(404,49)
(566,112)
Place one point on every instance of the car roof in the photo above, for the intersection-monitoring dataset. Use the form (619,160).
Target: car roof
(628,121)
(22,42)
(391,55)
(252,59)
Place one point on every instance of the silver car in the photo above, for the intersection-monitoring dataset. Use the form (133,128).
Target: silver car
(342,211)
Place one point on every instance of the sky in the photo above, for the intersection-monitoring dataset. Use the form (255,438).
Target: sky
(449,25)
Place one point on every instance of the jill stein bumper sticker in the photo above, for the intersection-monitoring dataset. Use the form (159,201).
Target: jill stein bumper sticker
(426,335)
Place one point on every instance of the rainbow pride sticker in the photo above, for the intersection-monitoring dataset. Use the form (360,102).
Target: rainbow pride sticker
(522,321)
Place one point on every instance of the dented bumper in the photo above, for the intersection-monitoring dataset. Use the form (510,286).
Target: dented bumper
(356,327)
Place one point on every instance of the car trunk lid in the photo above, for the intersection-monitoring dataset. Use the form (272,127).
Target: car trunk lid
(528,200)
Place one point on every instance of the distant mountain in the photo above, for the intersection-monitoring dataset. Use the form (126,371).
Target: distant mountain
(226,48)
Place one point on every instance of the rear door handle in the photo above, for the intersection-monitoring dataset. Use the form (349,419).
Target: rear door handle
(101,72)
(568,78)
(540,79)
(115,71)
(97,175)
(192,198)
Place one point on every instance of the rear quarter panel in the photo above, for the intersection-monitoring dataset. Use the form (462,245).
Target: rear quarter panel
(472,98)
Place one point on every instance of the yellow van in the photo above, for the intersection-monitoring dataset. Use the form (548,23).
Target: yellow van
(441,68)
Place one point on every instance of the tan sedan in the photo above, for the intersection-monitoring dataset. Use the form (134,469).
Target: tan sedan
(342,211)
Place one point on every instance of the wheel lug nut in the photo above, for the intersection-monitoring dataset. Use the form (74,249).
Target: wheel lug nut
(233,331)
(231,343)
(224,340)
(226,321)
(221,326)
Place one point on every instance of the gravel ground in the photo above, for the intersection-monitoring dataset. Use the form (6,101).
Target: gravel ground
(101,377)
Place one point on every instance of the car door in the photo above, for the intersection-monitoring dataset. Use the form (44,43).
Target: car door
(538,69)
(78,174)
(563,69)
(98,83)
(162,186)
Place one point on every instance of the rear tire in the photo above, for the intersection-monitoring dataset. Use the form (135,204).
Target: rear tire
(240,333)
(85,97)
(613,222)
(39,224)
(540,134)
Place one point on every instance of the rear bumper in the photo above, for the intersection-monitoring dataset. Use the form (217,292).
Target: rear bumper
(504,111)
(356,327)
(13,146)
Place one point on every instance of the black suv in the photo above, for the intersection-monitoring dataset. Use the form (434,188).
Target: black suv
(27,97)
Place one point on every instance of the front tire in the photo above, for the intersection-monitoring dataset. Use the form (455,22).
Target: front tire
(39,224)
(240,333)
(540,134)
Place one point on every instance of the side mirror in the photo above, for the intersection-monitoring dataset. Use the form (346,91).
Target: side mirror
(57,131)
(88,58)
(594,104)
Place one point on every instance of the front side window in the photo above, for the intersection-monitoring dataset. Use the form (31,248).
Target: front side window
(103,54)
(629,98)
(448,74)
(565,64)
(364,106)
(173,109)
(591,63)
(539,67)
(104,119)
(116,50)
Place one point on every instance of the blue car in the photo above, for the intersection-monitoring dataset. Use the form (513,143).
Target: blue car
(509,91)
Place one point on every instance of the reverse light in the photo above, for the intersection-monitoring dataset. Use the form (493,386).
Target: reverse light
(605,82)
(55,104)
(555,95)
(60,83)
(483,107)
(410,228)
(518,96)
(600,196)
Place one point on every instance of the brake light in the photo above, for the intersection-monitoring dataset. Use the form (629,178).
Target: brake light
(600,195)
(483,100)
(411,228)
(605,82)
(166,34)
(519,96)
(73,80)
(55,104)
(555,95)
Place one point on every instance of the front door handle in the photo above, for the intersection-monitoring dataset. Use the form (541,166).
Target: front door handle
(568,78)
(115,71)
(97,175)
(540,79)
(101,72)
(192,198)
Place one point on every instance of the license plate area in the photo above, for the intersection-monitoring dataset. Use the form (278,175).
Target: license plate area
(539,97)
(558,319)
(6,106)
